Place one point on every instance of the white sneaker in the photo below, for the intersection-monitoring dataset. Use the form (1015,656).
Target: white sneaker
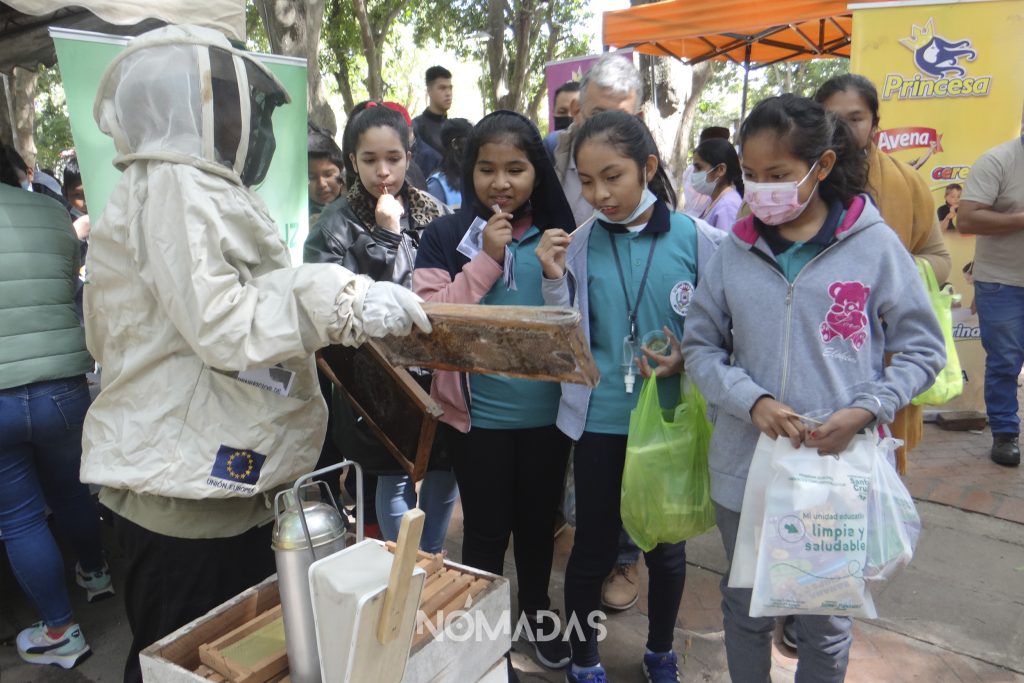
(97,585)
(36,647)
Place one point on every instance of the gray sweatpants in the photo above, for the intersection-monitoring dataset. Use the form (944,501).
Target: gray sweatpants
(824,641)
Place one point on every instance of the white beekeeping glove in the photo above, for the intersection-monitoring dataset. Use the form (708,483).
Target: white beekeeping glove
(390,309)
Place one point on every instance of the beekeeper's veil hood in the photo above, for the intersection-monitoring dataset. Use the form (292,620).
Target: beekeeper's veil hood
(184,94)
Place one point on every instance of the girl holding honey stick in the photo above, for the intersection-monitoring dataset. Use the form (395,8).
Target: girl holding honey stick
(512,469)
(631,273)
(374,229)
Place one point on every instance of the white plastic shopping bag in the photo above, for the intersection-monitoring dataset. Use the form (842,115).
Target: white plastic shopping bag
(893,523)
(813,544)
(744,555)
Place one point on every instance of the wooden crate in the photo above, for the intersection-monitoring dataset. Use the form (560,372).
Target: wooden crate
(446,657)
(252,653)
(175,658)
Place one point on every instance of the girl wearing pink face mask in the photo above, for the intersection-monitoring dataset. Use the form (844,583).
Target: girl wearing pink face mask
(788,321)
(718,175)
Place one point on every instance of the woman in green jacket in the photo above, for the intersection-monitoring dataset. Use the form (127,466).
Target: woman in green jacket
(43,400)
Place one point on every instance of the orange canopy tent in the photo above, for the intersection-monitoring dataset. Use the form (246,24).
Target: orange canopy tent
(749,33)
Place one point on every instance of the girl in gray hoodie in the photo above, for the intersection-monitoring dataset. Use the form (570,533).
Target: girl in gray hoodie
(795,313)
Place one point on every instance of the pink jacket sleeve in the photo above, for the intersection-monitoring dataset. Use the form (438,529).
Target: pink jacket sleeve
(469,286)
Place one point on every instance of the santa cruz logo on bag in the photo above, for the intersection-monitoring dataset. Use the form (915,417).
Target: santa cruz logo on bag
(845,318)
(236,469)
(861,485)
(941,66)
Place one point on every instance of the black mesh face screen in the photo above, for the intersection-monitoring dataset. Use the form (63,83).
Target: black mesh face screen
(264,96)
(227,118)
(262,144)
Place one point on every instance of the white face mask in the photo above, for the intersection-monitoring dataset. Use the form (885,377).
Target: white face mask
(647,199)
(777,203)
(700,182)
(26,185)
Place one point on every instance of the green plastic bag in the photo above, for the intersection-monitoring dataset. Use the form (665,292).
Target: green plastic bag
(666,488)
(950,381)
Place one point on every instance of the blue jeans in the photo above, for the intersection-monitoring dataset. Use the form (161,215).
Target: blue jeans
(396,494)
(1001,317)
(824,640)
(629,553)
(40,455)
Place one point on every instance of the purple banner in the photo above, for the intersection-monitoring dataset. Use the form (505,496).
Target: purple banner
(559,73)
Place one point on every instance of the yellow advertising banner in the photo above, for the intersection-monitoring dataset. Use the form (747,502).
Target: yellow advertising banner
(950,83)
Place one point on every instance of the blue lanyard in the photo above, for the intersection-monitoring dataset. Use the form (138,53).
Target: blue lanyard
(631,310)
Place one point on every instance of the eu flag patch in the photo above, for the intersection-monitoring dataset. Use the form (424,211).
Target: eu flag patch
(237,465)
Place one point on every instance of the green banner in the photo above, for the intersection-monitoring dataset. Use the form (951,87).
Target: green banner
(84,57)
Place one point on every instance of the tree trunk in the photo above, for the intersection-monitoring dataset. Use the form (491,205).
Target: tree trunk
(23,91)
(344,85)
(6,115)
(380,39)
(661,101)
(319,110)
(701,75)
(293,28)
(375,75)
(525,28)
(373,52)
(342,76)
(661,108)
(539,95)
(788,74)
(665,96)
(669,123)
(554,35)
(497,58)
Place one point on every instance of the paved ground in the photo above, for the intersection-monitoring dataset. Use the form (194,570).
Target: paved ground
(955,615)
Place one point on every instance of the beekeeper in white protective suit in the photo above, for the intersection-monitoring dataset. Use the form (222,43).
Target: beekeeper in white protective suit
(206,335)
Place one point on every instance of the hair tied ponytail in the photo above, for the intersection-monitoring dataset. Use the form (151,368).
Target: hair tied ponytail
(808,131)
(630,136)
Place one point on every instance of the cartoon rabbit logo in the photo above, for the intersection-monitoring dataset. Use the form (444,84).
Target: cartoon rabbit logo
(845,318)
(934,55)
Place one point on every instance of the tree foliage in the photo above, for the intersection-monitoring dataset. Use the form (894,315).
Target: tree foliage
(801,78)
(52,127)
(358,39)
(366,45)
(293,28)
(721,103)
(255,33)
(341,54)
(512,39)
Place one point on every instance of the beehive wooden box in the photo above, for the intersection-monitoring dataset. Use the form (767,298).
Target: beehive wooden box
(451,657)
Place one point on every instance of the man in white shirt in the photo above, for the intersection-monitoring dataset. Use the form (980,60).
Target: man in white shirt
(992,207)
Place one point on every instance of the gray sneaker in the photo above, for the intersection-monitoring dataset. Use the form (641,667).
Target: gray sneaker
(97,584)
